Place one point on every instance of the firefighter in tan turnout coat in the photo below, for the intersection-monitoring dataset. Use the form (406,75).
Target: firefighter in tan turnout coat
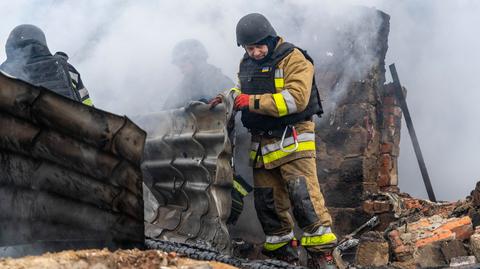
(278,98)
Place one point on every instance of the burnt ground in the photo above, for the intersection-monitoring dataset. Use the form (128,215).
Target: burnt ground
(105,259)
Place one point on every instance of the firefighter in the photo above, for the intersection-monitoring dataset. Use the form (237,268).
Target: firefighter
(278,98)
(201,80)
(29,59)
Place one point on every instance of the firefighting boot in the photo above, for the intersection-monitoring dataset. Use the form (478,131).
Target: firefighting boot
(319,246)
(285,251)
(321,260)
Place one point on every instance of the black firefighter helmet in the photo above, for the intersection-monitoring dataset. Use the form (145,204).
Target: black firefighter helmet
(25,34)
(253,28)
(189,50)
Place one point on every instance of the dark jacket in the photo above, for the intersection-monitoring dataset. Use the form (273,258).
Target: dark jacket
(32,62)
(203,83)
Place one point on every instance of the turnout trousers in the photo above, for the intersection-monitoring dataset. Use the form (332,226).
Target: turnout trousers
(291,185)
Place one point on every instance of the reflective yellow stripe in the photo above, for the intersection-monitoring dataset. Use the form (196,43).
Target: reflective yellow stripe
(318,240)
(281,104)
(253,153)
(273,246)
(279,83)
(237,90)
(303,137)
(278,154)
(240,188)
(88,102)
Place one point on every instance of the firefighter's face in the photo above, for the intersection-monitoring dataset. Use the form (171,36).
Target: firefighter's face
(257,52)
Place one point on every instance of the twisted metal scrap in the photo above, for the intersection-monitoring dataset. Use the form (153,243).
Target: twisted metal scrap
(187,167)
(69,174)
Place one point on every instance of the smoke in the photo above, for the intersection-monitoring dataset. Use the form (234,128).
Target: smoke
(435,48)
(123,52)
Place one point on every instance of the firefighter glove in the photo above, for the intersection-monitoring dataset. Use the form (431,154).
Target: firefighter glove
(241,102)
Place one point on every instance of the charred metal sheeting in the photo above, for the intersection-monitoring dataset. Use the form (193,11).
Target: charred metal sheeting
(187,167)
(69,174)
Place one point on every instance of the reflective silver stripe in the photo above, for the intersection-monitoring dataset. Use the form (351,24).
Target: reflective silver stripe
(254,146)
(238,85)
(274,239)
(83,92)
(279,73)
(74,76)
(287,142)
(290,101)
(321,230)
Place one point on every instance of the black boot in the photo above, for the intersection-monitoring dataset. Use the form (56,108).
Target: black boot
(287,253)
(321,260)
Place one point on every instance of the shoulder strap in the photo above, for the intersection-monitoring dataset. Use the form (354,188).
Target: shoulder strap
(281,52)
(305,54)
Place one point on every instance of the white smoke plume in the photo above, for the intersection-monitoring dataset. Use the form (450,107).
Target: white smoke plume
(123,51)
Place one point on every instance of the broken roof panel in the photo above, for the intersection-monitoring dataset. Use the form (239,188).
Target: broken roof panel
(187,167)
(69,174)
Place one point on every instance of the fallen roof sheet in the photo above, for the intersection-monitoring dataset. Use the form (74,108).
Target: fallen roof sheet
(187,167)
(69,174)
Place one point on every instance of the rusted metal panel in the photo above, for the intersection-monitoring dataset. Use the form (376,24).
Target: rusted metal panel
(187,167)
(69,174)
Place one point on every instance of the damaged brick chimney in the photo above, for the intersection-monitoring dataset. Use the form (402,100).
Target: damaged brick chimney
(358,138)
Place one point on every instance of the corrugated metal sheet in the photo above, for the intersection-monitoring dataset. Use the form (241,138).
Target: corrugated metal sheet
(69,174)
(187,167)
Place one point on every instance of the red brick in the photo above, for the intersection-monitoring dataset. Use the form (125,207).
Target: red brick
(370,187)
(390,109)
(391,121)
(418,224)
(386,162)
(437,235)
(389,100)
(410,203)
(456,223)
(455,228)
(395,238)
(386,148)
(393,189)
(400,249)
(462,228)
(381,206)
(463,232)
(368,207)
(383,180)
(374,207)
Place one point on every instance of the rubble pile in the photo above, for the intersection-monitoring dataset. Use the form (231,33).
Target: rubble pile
(415,233)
